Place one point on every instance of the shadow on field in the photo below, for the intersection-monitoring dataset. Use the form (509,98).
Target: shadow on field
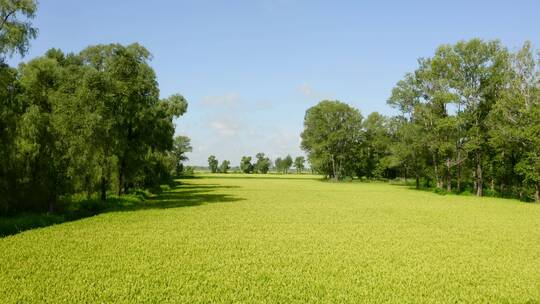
(181,194)
(184,195)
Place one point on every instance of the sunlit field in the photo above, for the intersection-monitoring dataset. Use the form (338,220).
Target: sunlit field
(275,239)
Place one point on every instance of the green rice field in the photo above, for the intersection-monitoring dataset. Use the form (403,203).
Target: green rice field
(283,239)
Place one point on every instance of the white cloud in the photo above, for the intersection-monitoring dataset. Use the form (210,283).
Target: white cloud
(308,91)
(284,142)
(225,126)
(227,100)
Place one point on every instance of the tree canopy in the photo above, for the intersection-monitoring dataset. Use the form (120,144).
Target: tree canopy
(331,136)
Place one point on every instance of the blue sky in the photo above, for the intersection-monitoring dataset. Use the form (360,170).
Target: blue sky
(250,69)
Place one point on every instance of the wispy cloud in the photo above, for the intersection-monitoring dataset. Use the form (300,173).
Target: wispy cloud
(307,90)
(227,100)
(225,126)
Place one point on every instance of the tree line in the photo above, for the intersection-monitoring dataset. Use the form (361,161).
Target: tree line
(262,164)
(469,121)
(90,122)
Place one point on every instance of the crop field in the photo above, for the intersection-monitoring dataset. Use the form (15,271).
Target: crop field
(281,239)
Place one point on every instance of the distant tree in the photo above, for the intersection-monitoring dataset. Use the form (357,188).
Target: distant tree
(225,166)
(263,163)
(299,162)
(278,164)
(245,164)
(213,164)
(332,133)
(181,146)
(287,163)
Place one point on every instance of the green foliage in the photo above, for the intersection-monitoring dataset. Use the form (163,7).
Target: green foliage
(245,164)
(299,162)
(375,148)
(283,165)
(16,30)
(213,164)
(470,117)
(76,122)
(263,163)
(332,133)
(181,146)
(225,166)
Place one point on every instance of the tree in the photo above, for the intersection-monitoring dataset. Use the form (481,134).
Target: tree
(409,149)
(332,133)
(514,125)
(138,123)
(263,163)
(278,164)
(135,115)
(181,146)
(468,77)
(478,71)
(287,163)
(38,152)
(376,146)
(299,162)
(225,166)
(16,30)
(245,164)
(213,164)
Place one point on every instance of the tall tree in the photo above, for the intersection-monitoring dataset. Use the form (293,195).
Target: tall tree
(16,31)
(133,106)
(375,147)
(332,131)
(39,152)
(181,146)
(287,163)
(478,71)
(263,163)
(299,164)
(278,164)
(245,164)
(515,126)
(213,164)
(225,166)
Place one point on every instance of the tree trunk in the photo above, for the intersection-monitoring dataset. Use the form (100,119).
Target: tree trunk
(475,181)
(436,169)
(537,193)
(448,175)
(480,179)
(417,181)
(333,167)
(52,202)
(103,189)
(121,177)
(458,169)
(458,178)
